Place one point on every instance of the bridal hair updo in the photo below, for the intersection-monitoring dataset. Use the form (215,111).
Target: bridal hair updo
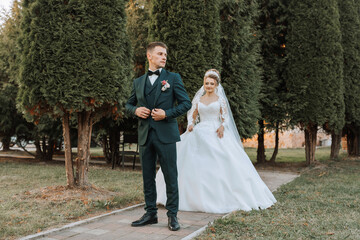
(214,74)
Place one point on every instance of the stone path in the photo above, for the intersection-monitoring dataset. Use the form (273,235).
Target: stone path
(116,225)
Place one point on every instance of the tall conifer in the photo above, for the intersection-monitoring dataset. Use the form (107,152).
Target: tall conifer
(273,23)
(11,121)
(315,66)
(191,31)
(241,72)
(75,60)
(350,29)
(138,20)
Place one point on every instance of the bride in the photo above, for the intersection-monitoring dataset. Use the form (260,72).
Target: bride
(215,175)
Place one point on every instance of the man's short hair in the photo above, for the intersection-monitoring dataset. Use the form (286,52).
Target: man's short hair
(152,45)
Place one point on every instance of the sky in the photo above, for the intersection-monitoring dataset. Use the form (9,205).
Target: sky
(5,4)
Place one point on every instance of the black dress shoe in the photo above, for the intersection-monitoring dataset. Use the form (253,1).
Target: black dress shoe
(147,218)
(173,224)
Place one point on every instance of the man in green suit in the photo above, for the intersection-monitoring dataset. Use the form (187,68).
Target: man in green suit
(153,100)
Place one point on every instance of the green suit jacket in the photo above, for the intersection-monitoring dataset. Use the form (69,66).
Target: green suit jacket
(167,130)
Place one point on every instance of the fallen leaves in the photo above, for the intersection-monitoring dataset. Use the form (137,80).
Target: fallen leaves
(62,193)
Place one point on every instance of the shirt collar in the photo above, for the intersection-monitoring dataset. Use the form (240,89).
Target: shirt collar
(156,69)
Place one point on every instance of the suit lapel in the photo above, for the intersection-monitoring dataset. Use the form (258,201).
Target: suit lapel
(162,76)
(141,88)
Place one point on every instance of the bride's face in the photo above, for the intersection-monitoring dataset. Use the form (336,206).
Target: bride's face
(210,84)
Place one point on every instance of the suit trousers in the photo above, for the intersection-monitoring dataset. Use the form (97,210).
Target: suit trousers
(166,153)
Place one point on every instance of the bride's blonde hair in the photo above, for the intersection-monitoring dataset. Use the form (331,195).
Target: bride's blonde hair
(214,74)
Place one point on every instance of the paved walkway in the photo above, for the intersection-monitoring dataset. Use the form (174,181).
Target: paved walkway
(116,225)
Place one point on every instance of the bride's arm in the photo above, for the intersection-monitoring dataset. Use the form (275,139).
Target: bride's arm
(223,116)
(194,116)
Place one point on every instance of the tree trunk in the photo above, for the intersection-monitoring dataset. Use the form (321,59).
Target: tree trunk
(358,141)
(114,145)
(276,149)
(352,137)
(38,154)
(84,140)
(50,150)
(110,144)
(44,147)
(310,143)
(261,158)
(58,146)
(6,143)
(44,152)
(70,181)
(106,148)
(335,144)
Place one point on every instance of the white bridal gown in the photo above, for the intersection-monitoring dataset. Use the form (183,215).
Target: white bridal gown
(215,175)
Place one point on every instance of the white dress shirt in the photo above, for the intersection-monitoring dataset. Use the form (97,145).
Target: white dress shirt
(154,76)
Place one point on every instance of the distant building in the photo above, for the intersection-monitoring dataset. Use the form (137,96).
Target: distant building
(294,138)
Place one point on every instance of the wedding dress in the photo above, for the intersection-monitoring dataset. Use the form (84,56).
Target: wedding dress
(215,175)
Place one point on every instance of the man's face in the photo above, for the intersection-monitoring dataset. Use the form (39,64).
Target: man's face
(157,57)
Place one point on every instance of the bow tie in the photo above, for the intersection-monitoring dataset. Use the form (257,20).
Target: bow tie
(157,72)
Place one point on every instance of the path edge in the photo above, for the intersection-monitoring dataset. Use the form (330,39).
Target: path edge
(202,229)
(74,224)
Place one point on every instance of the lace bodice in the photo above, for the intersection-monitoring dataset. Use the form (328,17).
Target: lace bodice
(215,111)
(210,112)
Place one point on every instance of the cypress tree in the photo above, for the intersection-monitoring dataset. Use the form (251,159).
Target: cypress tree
(212,33)
(273,23)
(75,60)
(314,72)
(138,19)
(10,120)
(350,29)
(241,75)
(9,117)
(108,129)
(190,29)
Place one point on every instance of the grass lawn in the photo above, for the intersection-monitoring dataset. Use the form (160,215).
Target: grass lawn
(284,154)
(293,154)
(298,208)
(21,215)
(323,203)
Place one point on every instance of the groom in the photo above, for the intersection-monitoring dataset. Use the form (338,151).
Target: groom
(153,100)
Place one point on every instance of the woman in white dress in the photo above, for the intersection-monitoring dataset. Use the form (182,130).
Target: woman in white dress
(215,175)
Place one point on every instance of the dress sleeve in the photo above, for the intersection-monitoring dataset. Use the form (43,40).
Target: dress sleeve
(223,111)
(191,120)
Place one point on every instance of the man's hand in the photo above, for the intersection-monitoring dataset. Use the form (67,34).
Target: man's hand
(220,131)
(190,128)
(142,112)
(158,114)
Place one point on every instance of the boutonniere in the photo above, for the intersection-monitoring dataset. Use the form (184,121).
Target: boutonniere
(165,85)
